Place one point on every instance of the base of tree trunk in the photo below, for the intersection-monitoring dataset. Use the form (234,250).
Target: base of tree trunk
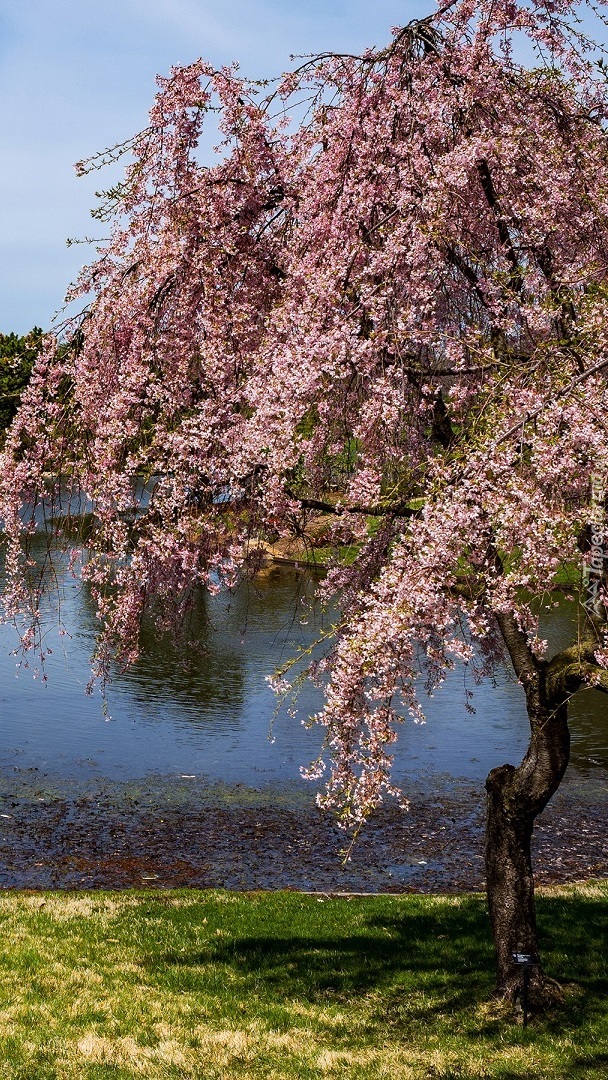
(543,994)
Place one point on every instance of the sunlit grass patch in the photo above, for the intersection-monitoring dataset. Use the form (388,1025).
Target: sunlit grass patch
(224,985)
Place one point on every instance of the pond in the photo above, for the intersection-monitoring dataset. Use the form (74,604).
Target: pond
(205,721)
(211,712)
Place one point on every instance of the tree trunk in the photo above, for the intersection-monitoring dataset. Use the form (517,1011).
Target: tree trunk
(515,798)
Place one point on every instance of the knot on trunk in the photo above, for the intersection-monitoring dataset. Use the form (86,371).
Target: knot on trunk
(498,778)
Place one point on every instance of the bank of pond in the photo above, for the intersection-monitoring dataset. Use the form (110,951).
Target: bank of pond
(187,774)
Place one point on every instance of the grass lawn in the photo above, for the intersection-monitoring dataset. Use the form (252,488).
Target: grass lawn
(225,985)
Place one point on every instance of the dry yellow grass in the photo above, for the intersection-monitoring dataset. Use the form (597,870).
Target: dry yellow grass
(217,986)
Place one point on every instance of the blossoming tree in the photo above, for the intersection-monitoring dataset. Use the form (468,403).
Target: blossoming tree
(386,299)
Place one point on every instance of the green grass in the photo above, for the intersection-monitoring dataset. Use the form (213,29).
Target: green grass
(212,985)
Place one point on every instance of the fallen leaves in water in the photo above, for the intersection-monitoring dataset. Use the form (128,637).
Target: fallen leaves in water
(110,839)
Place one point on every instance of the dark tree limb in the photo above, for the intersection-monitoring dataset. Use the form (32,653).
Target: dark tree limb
(400,509)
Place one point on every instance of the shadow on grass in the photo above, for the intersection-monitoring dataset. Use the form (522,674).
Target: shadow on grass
(439,955)
(443,954)
(573,933)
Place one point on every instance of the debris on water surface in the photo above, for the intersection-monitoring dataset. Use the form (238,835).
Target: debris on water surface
(162,835)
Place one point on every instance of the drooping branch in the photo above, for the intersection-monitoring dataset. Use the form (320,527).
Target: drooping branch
(456,259)
(489,191)
(601,364)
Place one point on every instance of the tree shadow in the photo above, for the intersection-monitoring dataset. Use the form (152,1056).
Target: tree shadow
(423,962)
(573,934)
(449,955)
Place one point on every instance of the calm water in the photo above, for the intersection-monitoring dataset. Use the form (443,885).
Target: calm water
(210,715)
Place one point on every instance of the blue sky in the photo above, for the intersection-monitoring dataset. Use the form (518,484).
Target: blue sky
(78,75)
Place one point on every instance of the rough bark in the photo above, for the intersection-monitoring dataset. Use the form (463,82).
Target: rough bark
(515,797)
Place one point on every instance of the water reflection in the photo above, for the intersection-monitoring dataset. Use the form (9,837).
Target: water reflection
(208,710)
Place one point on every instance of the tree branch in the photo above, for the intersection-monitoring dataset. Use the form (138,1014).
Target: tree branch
(493,202)
(560,393)
(525,664)
(574,666)
(400,509)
